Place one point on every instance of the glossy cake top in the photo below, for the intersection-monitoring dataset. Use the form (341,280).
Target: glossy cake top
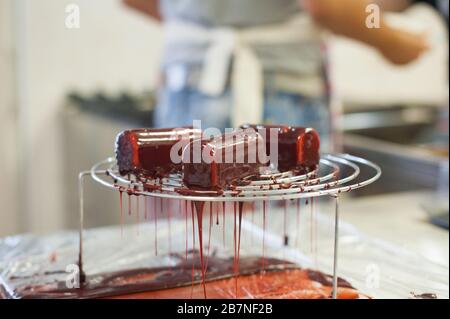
(148,137)
(234,147)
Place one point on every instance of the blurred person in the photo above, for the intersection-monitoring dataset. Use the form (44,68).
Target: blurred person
(229,62)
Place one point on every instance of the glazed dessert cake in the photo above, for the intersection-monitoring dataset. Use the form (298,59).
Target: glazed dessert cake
(225,159)
(298,147)
(147,151)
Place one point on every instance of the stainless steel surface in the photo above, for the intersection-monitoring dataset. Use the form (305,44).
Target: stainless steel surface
(87,138)
(405,167)
(403,117)
(399,219)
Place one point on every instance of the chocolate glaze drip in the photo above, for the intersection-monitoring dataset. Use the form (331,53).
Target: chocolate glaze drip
(424,296)
(327,280)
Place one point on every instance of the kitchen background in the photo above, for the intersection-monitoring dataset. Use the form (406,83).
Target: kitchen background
(66,93)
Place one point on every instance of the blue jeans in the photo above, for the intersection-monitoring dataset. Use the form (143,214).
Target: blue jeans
(179,108)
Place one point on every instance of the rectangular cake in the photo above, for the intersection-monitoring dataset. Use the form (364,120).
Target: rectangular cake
(152,152)
(297,147)
(215,163)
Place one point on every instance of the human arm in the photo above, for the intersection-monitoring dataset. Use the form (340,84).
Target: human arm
(348,18)
(148,7)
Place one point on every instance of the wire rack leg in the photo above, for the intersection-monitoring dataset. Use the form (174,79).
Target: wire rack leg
(336,245)
(81,177)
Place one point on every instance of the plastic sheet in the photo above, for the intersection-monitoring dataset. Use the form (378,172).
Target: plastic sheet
(374,267)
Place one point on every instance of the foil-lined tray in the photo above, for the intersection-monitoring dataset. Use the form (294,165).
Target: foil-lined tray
(376,268)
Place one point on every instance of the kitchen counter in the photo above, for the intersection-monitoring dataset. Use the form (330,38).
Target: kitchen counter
(399,219)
